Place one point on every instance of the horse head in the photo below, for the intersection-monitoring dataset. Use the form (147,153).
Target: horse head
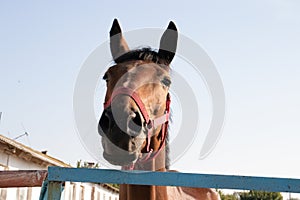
(136,101)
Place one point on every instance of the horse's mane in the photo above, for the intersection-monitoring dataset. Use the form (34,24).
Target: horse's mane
(145,54)
(167,150)
(167,146)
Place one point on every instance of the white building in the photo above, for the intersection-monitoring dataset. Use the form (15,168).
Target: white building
(16,156)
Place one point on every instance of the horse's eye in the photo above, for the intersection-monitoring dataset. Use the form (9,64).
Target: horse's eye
(105,77)
(166,81)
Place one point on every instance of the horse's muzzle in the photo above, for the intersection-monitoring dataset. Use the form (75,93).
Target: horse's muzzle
(129,123)
(122,136)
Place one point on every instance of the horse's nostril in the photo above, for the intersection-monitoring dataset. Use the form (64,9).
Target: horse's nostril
(135,122)
(104,122)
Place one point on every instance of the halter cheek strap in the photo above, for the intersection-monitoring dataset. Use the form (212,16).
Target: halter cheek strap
(150,124)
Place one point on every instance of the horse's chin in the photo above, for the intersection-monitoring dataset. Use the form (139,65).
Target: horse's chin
(117,156)
(121,160)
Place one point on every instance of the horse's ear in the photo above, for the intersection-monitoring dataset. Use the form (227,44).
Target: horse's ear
(118,45)
(168,43)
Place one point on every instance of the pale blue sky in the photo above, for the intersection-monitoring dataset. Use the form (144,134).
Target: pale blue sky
(254,45)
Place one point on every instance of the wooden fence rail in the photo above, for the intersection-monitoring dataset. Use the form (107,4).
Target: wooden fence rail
(22,178)
(52,186)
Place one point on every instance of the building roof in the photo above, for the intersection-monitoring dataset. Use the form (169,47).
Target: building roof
(12,147)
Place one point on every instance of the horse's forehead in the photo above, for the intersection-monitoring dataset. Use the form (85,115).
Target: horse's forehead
(137,68)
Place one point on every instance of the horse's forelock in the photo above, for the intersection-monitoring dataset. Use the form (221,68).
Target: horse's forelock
(144,54)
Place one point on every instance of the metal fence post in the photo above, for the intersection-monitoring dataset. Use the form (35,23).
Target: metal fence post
(55,189)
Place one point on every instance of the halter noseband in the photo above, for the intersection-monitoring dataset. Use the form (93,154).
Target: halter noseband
(150,124)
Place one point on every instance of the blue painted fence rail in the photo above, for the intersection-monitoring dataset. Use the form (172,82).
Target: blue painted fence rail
(57,175)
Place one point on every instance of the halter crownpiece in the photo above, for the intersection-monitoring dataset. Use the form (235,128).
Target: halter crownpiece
(150,124)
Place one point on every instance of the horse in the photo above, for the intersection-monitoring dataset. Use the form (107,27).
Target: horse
(134,122)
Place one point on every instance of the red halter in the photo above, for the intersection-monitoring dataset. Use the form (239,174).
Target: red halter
(151,124)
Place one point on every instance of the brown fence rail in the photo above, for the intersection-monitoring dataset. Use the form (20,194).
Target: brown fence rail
(22,178)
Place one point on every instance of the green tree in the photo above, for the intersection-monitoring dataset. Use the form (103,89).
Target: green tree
(260,195)
(227,196)
(81,164)
(251,195)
